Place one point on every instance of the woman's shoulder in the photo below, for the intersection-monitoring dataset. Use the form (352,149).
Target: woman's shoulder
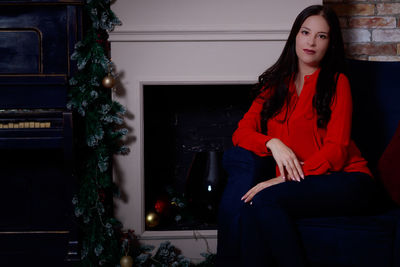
(343,89)
(343,84)
(342,78)
(264,94)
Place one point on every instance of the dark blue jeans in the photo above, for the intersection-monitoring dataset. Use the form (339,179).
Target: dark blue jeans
(264,233)
(244,168)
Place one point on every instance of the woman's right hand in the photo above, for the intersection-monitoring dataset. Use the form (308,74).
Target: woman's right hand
(286,160)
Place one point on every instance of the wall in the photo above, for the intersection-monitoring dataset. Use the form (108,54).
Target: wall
(371,29)
(168,15)
(187,42)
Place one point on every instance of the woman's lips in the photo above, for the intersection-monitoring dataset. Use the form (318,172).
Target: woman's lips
(309,52)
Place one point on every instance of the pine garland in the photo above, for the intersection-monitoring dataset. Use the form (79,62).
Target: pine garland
(98,119)
(98,134)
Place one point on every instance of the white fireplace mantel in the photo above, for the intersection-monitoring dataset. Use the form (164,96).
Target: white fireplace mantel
(187,42)
(199,35)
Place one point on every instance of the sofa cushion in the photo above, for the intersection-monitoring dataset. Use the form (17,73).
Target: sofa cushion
(376,111)
(349,241)
(389,167)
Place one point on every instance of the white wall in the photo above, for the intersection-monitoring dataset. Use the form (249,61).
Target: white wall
(187,41)
(145,15)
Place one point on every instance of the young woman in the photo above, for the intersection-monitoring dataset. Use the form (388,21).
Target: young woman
(302,118)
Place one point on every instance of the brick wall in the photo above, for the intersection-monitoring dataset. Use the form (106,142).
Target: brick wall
(371,29)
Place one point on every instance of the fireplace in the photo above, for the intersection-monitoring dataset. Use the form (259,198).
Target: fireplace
(187,128)
(184,48)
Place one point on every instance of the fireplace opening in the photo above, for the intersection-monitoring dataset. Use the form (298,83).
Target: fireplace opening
(186,130)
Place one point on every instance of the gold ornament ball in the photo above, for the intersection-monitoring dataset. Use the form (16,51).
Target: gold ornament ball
(126,261)
(152,219)
(108,81)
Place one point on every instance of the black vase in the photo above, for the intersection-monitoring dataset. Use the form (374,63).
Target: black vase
(204,184)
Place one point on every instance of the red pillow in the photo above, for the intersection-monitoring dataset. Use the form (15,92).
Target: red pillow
(389,167)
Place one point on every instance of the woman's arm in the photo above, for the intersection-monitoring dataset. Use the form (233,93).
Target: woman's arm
(248,134)
(333,154)
(261,186)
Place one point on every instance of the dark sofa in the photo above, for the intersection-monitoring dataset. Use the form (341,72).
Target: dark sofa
(362,241)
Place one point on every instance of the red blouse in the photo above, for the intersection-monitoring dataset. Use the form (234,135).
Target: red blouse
(321,150)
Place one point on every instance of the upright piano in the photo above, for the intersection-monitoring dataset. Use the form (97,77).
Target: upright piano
(37,181)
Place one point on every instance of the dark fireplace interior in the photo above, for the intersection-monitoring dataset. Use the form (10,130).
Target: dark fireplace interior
(186,130)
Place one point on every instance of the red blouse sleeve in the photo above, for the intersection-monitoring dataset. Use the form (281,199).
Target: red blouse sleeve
(248,134)
(333,154)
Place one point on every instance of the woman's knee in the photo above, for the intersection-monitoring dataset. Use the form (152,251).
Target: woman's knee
(277,195)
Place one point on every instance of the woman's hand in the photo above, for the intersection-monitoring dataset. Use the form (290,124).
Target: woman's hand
(286,160)
(260,186)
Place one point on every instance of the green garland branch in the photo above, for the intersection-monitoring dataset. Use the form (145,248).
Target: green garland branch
(98,128)
(99,134)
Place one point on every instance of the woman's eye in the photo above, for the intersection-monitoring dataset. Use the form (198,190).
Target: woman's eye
(304,32)
(322,36)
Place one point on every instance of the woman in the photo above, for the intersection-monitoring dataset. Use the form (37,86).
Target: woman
(302,118)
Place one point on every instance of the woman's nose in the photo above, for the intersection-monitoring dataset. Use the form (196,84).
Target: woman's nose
(311,41)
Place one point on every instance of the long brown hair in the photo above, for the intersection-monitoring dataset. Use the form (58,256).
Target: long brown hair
(276,78)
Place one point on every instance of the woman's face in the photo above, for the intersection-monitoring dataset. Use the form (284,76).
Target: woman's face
(312,41)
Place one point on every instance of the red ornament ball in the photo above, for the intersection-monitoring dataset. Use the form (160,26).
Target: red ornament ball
(162,205)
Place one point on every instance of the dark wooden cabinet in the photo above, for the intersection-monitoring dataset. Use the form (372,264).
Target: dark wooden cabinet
(37,225)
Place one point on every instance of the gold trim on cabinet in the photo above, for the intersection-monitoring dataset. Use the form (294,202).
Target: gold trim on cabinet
(32,75)
(33,232)
(65,2)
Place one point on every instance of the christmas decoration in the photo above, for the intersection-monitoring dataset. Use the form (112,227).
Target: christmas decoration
(210,260)
(98,121)
(98,133)
(152,219)
(126,261)
(169,256)
(108,81)
(179,204)
(162,205)
(166,254)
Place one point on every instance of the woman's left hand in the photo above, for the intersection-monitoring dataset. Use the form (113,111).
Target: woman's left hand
(260,186)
